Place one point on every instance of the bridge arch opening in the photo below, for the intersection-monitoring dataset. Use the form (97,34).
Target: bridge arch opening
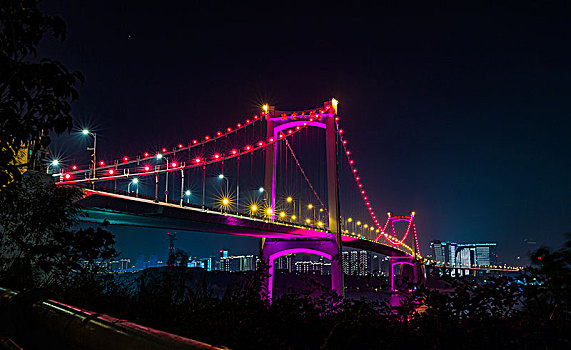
(289,251)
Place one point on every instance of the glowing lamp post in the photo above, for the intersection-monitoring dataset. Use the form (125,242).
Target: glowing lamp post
(94,148)
(54,164)
(222,177)
(290,200)
(135,182)
(312,208)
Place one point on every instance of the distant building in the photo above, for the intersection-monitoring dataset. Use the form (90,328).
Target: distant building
(140,262)
(204,263)
(357,262)
(120,265)
(237,263)
(285,263)
(464,254)
(153,261)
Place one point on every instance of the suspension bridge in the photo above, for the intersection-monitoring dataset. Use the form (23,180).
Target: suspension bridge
(287,177)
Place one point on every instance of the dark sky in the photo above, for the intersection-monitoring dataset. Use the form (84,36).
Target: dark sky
(459,112)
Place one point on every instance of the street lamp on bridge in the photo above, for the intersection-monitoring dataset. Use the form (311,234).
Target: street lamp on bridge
(94,149)
(135,182)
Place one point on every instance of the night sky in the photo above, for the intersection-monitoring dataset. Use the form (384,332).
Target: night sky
(459,113)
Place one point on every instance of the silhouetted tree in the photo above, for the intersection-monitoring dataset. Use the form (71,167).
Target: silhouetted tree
(38,242)
(35,92)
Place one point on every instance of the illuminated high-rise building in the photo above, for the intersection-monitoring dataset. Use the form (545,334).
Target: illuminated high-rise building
(357,262)
(464,254)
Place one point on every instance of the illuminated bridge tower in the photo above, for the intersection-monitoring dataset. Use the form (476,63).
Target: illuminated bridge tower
(278,121)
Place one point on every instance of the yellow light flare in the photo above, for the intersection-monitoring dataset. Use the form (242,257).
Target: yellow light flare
(282,214)
(265,108)
(349,220)
(319,223)
(293,217)
(310,206)
(308,221)
(358,223)
(225,201)
(253,208)
(289,199)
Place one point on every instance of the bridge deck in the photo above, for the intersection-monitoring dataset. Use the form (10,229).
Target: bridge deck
(117,209)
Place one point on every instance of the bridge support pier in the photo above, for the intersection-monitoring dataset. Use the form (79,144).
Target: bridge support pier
(275,248)
(405,260)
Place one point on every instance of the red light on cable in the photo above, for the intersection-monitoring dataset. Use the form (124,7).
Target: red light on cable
(239,125)
(180,145)
(174,164)
(229,129)
(147,168)
(260,143)
(111,171)
(216,156)
(67,176)
(247,121)
(354,170)
(234,151)
(194,142)
(102,163)
(164,150)
(74,167)
(248,148)
(146,154)
(219,133)
(125,159)
(207,138)
(197,160)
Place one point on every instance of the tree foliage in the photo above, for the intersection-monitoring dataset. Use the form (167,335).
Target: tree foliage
(38,242)
(35,92)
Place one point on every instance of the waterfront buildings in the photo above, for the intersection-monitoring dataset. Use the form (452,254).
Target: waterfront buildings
(464,254)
